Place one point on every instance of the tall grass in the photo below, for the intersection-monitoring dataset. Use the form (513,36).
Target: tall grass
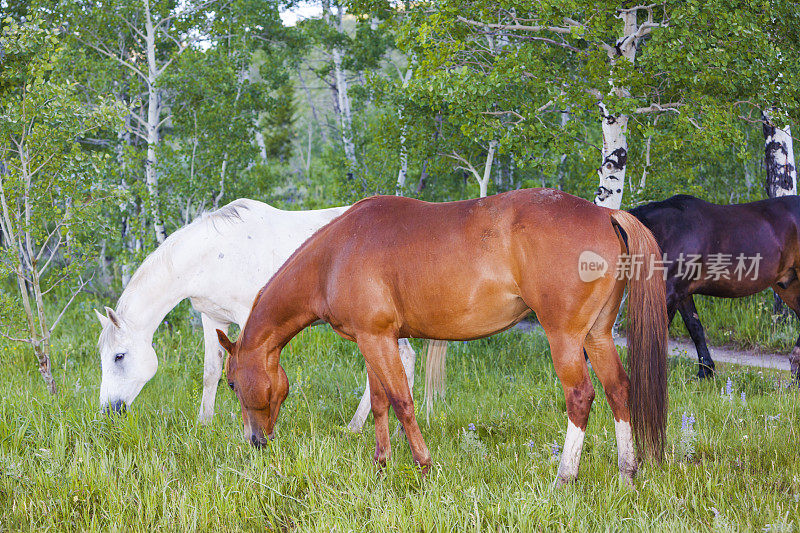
(494,442)
(744,322)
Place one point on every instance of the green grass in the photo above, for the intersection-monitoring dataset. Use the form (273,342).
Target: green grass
(63,466)
(743,322)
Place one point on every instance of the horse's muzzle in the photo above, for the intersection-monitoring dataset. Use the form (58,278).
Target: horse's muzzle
(259,443)
(115,408)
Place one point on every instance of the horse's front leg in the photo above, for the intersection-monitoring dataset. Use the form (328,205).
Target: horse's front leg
(380,413)
(212,367)
(409,358)
(791,295)
(387,374)
(692,321)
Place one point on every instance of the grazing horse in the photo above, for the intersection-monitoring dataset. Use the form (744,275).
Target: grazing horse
(757,242)
(219,262)
(394,267)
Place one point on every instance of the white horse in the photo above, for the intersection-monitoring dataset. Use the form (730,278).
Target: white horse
(220,262)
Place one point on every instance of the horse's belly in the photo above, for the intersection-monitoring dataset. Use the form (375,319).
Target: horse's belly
(484,318)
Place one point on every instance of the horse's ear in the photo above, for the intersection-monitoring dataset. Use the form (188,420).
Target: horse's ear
(104,321)
(112,316)
(224,341)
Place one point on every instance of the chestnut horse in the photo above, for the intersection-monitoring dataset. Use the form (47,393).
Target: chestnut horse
(739,250)
(393,267)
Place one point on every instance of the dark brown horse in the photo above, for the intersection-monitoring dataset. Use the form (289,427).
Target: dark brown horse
(739,250)
(395,267)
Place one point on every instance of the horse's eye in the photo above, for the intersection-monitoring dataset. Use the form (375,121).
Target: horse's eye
(118,357)
(230,384)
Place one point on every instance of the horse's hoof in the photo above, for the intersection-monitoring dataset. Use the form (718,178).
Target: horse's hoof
(424,468)
(626,478)
(380,460)
(562,481)
(705,372)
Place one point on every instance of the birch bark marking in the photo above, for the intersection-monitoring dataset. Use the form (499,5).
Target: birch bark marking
(779,159)
(781,174)
(615,128)
(153,122)
(615,159)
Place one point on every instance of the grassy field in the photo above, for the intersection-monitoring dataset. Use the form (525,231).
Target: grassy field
(64,466)
(744,322)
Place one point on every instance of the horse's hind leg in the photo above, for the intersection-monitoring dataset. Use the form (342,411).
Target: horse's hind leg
(385,369)
(692,321)
(567,353)
(212,367)
(409,358)
(606,364)
(791,295)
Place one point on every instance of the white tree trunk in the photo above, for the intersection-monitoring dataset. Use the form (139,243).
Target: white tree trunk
(615,160)
(483,182)
(262,147)
(779,159)
(403,172)
(153,122)
(345,115)
(342,94)
(615,128)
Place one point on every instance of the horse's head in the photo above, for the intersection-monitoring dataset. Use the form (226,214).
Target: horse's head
(261,386)
(127,359)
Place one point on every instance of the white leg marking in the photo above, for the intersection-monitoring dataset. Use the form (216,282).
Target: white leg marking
(571,456)
(625,452)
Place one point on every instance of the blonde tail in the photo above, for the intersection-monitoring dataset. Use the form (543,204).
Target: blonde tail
(435,371)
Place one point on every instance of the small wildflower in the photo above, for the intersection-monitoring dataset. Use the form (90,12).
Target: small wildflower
(729,388)
(687,423)
(688,435)
(555,449)
(471,426)
(744,398)
(531,444)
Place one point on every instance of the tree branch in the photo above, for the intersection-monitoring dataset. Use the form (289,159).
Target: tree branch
(514,27)
(64,309)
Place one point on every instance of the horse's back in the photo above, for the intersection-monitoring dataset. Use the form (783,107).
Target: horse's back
(477,258)
(224,257)
(766,230)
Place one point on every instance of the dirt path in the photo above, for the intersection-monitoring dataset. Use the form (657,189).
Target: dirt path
(684,348)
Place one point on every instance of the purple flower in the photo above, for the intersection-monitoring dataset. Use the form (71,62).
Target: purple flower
(531,444)
(687,422)
(684,422)
(744,399)
(471,426)
(729,388)
(556,449)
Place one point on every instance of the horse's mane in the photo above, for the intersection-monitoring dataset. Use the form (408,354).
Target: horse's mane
(303,246)
(161,258)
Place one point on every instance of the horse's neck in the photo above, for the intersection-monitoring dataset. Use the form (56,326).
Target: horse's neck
(282,310)
(153,292)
